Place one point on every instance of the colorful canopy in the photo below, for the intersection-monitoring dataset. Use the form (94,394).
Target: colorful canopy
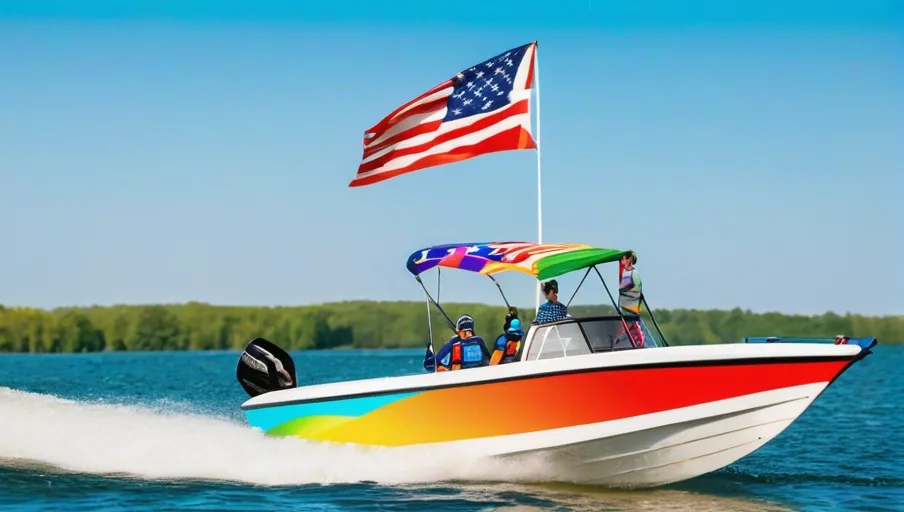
(542,261)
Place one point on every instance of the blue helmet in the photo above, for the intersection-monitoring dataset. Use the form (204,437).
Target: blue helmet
(515,325)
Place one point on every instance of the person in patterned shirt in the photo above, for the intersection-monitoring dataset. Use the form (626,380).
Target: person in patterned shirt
(630,294)
(630,287)
(552,310)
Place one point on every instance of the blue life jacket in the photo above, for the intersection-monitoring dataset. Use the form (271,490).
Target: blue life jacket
(469,353)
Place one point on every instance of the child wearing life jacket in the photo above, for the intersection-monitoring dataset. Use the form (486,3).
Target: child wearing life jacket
(506,346)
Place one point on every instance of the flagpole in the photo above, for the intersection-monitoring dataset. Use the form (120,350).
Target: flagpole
(539,185)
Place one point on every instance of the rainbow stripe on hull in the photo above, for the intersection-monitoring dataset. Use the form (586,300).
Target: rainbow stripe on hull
(522,404)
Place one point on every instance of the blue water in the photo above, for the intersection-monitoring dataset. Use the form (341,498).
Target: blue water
(163,431)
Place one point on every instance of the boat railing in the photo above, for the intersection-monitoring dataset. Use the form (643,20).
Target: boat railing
(580,336)
(866,343)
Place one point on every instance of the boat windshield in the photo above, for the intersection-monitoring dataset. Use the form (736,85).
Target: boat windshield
(580,336)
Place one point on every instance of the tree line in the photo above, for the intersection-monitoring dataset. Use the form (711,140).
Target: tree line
(366,324)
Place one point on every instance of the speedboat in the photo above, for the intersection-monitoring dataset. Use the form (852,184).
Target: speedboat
(600,400)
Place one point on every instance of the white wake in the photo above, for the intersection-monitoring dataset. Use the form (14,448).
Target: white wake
(117,439)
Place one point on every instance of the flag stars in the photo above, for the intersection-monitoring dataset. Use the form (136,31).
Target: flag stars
(484,88)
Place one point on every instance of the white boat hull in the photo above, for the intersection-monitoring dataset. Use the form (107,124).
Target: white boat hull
(663,448)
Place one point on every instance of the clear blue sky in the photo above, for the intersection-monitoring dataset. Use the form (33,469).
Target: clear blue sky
(174,151)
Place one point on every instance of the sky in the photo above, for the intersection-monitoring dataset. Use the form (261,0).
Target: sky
(163,152)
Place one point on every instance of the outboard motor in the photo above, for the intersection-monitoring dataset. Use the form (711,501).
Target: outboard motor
(264,367)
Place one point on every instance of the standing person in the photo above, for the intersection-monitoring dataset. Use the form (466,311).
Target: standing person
(630,293)
(630,288)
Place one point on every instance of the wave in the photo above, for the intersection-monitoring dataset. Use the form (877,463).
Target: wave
(156,443)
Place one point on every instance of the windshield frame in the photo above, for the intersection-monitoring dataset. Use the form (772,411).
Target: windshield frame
(651,341)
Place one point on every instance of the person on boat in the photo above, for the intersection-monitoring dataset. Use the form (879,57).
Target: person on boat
(464,350)
(512,314)
(630,288)
(630,293)
(506,347)
(552,310)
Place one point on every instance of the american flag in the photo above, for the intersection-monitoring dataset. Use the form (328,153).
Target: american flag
(483,109)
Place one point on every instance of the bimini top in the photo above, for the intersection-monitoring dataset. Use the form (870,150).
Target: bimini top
(542,261)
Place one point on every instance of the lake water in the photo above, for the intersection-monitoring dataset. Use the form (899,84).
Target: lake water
(164,431)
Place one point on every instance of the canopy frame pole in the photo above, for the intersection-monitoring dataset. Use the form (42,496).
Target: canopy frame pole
(579,287)
(500,291)
(430,333)
(615,305)
(655,323)
(440,308)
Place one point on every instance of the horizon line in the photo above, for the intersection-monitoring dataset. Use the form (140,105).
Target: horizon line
(398,301)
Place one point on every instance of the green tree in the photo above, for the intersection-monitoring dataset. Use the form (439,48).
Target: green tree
(158,329)
(367,324)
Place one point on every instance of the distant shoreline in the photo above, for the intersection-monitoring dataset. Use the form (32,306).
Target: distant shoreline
(197,326)
(235,352)
(419,303)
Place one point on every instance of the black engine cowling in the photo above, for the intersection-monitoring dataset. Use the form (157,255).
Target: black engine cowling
(263,367)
